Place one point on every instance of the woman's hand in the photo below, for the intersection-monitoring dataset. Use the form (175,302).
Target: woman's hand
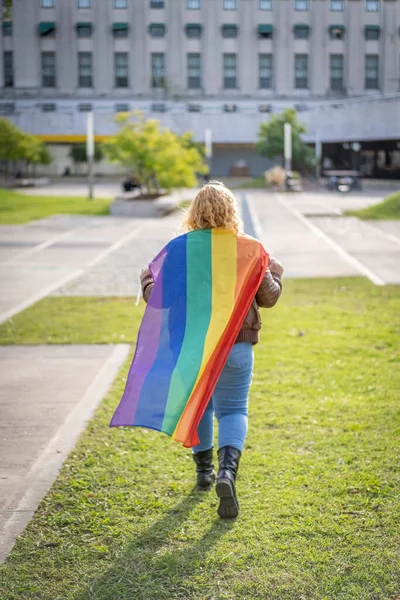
(275,266)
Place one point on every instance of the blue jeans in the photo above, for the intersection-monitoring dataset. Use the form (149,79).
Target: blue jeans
(229,402)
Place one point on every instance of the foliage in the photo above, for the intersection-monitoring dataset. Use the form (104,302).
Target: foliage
(6,9)
(271,140)
(78,153)
(15,145)
(19,208)
(154,155)
(388,209)
(11,141)
(318,482)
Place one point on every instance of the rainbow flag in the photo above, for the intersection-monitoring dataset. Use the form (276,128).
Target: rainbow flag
(205,282)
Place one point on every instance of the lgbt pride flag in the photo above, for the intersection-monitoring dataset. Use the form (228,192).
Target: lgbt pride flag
(205,282)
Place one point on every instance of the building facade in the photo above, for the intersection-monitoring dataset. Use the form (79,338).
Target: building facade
(197,64)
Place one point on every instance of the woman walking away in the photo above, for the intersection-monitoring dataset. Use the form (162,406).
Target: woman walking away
(215,208)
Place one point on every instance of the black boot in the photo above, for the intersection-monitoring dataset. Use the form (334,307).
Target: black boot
(228,458)
(204,469)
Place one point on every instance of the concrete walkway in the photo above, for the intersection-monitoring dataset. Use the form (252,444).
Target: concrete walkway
(47,396)
(38,258)
(311,238)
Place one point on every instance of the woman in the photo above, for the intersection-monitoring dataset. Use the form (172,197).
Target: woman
(215,207)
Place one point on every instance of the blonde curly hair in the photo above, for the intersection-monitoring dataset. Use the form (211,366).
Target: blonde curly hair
(214,206)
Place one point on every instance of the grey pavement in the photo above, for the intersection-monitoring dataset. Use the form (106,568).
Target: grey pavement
(38,258)
(47,396)
(308,233)
(118,273)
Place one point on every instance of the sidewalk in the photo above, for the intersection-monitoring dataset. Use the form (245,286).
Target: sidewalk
(308,233)
(47,396)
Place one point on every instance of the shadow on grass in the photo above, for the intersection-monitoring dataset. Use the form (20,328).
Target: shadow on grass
(160,563)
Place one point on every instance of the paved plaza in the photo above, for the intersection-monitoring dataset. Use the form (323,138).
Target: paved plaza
(43,408)
(47,396)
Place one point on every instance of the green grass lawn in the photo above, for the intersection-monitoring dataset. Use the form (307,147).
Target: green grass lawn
(74,320)
(318,482)
(255,182)
(388,209)
(18,208)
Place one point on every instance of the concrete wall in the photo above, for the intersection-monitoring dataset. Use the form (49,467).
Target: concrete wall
(357,119)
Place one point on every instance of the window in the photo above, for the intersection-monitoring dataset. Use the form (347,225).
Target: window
(47,29)
(83,3)
(371,72)
(84,30)
(265,32)
(194,71)
(229,65)
(265,108)
(372,5)
(336,32)
(301,32)
(7,28)
(229,31)
(229,4)
(193,4)
(337,5)
(301,71)
(120,30)
(265,71)
(7,108)
(47,3)
(157,30)
(156,3)
(194,108)
(193,30)
(159,107)
(230,108)
(85,107)
(158,70)
(48,107)
(372,32)
(8,69)
(336,71)
(121,69)
(122,108)
(301,4)
(121,4)
(85,77)
(48,69)
(265,4)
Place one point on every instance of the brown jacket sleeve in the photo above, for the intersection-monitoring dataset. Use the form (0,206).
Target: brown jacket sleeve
(147,283)
(269,290)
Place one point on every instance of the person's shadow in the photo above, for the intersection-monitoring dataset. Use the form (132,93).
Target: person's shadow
(159,563)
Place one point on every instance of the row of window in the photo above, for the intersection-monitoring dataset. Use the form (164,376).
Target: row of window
(193,30)
(7,108)
(335,5)
(194,70)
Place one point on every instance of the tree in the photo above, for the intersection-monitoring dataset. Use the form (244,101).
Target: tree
(35,151)
(15,145)
(271,140)
(154,155)
(6,9)
(78,154)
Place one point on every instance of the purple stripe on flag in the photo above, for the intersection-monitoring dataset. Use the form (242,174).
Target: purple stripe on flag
(145,355)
